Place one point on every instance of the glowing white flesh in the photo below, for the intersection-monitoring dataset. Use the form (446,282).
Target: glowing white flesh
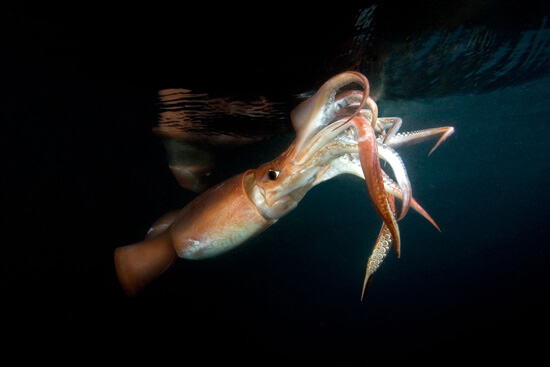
(318,111)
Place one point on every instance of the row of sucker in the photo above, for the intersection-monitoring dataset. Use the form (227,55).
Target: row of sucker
(379,253)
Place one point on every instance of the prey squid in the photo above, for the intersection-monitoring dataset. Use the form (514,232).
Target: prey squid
(338,131)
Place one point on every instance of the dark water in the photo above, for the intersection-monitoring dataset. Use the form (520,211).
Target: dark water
(84,173)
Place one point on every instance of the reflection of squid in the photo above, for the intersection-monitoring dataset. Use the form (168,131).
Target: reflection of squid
(336,133)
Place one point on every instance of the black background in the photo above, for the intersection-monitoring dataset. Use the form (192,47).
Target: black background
(84,174)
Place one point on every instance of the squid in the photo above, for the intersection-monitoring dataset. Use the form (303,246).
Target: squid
(338,131)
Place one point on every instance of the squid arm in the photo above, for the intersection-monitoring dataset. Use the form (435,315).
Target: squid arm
(379,252)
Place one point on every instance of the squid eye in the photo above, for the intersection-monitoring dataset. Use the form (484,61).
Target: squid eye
(272,174)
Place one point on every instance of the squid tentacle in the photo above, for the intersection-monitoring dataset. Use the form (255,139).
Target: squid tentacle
(351,99)
(393,188)
(370,163)
(318,111)
(349,163)
(380,250)
(407,138)
(398,167)
(320,140)
(393,129)
(371,113)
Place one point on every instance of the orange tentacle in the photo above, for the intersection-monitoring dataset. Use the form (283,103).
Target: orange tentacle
(370,163)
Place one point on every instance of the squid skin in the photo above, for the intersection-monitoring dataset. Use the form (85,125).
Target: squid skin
(215,222)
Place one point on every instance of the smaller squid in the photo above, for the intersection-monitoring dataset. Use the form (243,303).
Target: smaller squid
(338,131)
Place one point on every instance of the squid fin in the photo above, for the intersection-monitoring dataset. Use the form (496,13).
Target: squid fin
(139,264)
